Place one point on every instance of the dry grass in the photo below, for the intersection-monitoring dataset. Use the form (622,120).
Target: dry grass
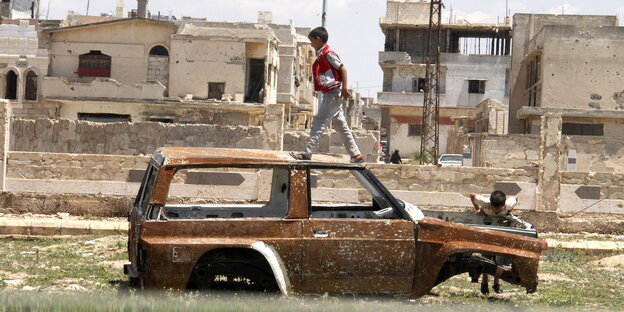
(568,279)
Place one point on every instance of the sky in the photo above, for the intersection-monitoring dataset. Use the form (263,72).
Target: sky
(353,25)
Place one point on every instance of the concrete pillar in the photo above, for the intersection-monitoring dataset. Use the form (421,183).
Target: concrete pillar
(5,136)
(551,164)
(274,125)
(142,8)
(5,8)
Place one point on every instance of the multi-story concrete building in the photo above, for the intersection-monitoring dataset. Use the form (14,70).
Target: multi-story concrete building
(475,61)
(570,65)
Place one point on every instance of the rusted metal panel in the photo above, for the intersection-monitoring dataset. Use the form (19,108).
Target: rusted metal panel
(437,240)
(202,236)
(298,197)
(188,156)
(358,256)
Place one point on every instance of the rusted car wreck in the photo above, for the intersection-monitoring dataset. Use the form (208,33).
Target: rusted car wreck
(288,234)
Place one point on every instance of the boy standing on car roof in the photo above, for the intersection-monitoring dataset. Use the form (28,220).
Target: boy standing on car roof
(330,79)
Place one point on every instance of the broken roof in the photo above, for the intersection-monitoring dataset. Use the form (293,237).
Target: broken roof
(255,34)
(117,21)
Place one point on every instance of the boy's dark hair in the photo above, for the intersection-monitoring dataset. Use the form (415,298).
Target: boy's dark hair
(320,32)
(497,199)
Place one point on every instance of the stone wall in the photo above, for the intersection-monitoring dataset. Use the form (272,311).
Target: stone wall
(429,187)
(585,153)
(587,192)
(123,138)
(596,154)
(85,167)
(504,151)
(330,142)
(443,187)
(426,186)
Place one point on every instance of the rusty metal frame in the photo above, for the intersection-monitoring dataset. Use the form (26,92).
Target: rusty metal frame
(172,248)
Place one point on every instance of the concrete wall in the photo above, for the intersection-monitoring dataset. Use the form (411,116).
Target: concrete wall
(406,12)
(525,28)
(214,113)
(195,63)
(122,138)
(101,88)
(20,52)
(595,154)
(578,68)
(504,151)
(86,167)
(20,38)
(128,43)
(584,153)
(461,68)
(427,186)
(330,142)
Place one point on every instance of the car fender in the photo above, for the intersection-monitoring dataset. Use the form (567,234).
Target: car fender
(277,266)
(438,240)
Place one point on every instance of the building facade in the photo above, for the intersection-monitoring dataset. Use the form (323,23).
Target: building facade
(475,61)
(569,65)
(139,69)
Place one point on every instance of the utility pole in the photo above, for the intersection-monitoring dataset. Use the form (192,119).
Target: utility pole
(324,16)
(429,140)
(88,2)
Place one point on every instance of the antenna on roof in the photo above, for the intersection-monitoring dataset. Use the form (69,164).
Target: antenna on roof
(324,15)
(451,15)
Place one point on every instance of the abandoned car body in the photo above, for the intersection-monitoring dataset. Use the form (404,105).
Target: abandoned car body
(292,235)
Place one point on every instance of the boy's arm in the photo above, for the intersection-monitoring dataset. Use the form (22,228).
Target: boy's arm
(345,93)
(476,206)
(514,203)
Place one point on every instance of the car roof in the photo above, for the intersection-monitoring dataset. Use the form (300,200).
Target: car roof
(203,156)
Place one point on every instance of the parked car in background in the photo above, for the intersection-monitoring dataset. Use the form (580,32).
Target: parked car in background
(450,160)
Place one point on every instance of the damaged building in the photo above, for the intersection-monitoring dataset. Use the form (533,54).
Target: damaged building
(251,80)
(564,64)
(475,63)
(139,69)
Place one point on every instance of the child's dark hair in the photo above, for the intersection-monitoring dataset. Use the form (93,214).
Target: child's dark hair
(320,32)
(497,199)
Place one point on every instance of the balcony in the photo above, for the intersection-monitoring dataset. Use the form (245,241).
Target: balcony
(394,58)
(404,99)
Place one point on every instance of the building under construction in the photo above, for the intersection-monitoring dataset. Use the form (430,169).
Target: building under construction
(474,65)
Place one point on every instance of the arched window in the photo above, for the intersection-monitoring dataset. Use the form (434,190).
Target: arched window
(159,50)
(94,64)
(158,65)
(10,90)
(30,93)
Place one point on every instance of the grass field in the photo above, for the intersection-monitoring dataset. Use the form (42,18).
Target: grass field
(85,274)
